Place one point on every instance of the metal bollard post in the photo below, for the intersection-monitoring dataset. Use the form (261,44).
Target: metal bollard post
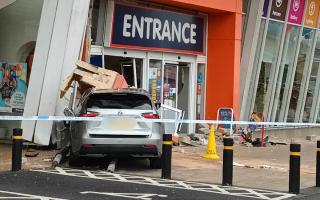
(17,142)
(166,156)
(294,171)
(227,173)
(318,165)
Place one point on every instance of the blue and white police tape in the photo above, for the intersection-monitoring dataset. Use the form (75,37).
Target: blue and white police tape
(183,121)
(48,118)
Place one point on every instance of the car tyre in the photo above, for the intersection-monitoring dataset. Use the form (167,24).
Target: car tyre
(74,160)
(155,163)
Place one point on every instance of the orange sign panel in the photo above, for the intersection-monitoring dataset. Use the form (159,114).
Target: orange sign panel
(312,13)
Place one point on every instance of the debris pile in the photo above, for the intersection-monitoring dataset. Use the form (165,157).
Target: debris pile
(90,76)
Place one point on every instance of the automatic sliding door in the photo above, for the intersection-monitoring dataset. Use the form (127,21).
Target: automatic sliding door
(170,80)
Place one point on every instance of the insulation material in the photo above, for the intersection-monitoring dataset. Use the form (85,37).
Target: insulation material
(90,76)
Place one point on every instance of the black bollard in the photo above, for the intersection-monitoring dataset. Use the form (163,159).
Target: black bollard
(166,156)
(17,142)
(318,165)
(294,171)
(227,173)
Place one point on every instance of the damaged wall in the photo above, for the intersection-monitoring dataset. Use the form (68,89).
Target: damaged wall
(57,50)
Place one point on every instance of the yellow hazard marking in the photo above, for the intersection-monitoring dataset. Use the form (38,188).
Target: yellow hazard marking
(228,147)
(295,154)
(167,142)
(17,137)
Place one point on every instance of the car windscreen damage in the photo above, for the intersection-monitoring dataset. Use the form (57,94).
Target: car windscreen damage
(119,101)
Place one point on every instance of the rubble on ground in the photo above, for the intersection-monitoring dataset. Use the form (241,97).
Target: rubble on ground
(311,138)
(90,76)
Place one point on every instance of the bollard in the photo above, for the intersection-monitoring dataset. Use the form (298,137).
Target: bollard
(294,171)
(17,142)
(318,165)
(227,173)
(166,156)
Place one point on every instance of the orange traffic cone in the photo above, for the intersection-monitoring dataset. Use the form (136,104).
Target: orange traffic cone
(212,147)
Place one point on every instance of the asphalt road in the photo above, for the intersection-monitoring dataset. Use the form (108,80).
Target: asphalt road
(82,184)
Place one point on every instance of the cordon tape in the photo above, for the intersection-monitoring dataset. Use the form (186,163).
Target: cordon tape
(185,121)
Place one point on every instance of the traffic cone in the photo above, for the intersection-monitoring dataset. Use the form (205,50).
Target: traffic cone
(212,147)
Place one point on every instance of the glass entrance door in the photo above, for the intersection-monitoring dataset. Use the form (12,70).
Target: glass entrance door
(170,80)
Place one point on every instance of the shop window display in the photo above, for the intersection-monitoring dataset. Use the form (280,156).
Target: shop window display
(256,62)
(303,61)
(286,68)
(269,60)
(310,98)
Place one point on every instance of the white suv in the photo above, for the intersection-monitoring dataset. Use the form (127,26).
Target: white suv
(119,133)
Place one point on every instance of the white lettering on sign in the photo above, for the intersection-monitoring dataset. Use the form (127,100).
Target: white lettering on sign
(294,17)
(275,13)
(168,30)
(126,25)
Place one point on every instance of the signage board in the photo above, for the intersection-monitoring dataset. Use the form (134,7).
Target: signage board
(312,13)
(278,9)
(225,114)
(265,8)
(155,29)
(296,11)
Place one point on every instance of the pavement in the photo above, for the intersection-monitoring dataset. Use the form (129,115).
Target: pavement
(265,168)
(65,183)
(254,167)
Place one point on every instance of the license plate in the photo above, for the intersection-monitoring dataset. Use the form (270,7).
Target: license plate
(121,124)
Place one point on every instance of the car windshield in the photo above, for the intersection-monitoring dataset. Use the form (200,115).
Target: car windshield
(119,101)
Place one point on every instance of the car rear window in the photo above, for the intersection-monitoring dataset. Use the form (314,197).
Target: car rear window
(119,101)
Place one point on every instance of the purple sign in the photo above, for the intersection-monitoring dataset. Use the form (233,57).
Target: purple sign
(296,11)
(265,8)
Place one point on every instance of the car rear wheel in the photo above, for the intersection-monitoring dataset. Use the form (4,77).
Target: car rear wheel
(155,163)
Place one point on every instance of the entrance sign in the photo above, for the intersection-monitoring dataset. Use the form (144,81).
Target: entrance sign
(296,11)
(278,9)
(312,12)
(155,29)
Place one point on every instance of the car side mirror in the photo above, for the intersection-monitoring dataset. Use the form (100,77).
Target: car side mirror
(68,112)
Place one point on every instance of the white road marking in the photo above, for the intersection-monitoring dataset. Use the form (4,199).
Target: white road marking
(142,196)
(16,195)
(187,185)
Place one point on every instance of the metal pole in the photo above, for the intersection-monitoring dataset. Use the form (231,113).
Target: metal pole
(227,173)
(17,142)
(166,156)
(318,165)
(294,171)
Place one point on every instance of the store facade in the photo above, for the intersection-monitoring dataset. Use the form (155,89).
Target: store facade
(171,51)
(185,53)
(283,80)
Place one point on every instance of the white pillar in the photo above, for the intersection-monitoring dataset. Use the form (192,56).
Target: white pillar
(39,66)
(66,48)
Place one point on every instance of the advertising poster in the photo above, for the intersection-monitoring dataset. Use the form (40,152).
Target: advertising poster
(13,87)
(278,9)
(155,84)
(312,13)
(296,11)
